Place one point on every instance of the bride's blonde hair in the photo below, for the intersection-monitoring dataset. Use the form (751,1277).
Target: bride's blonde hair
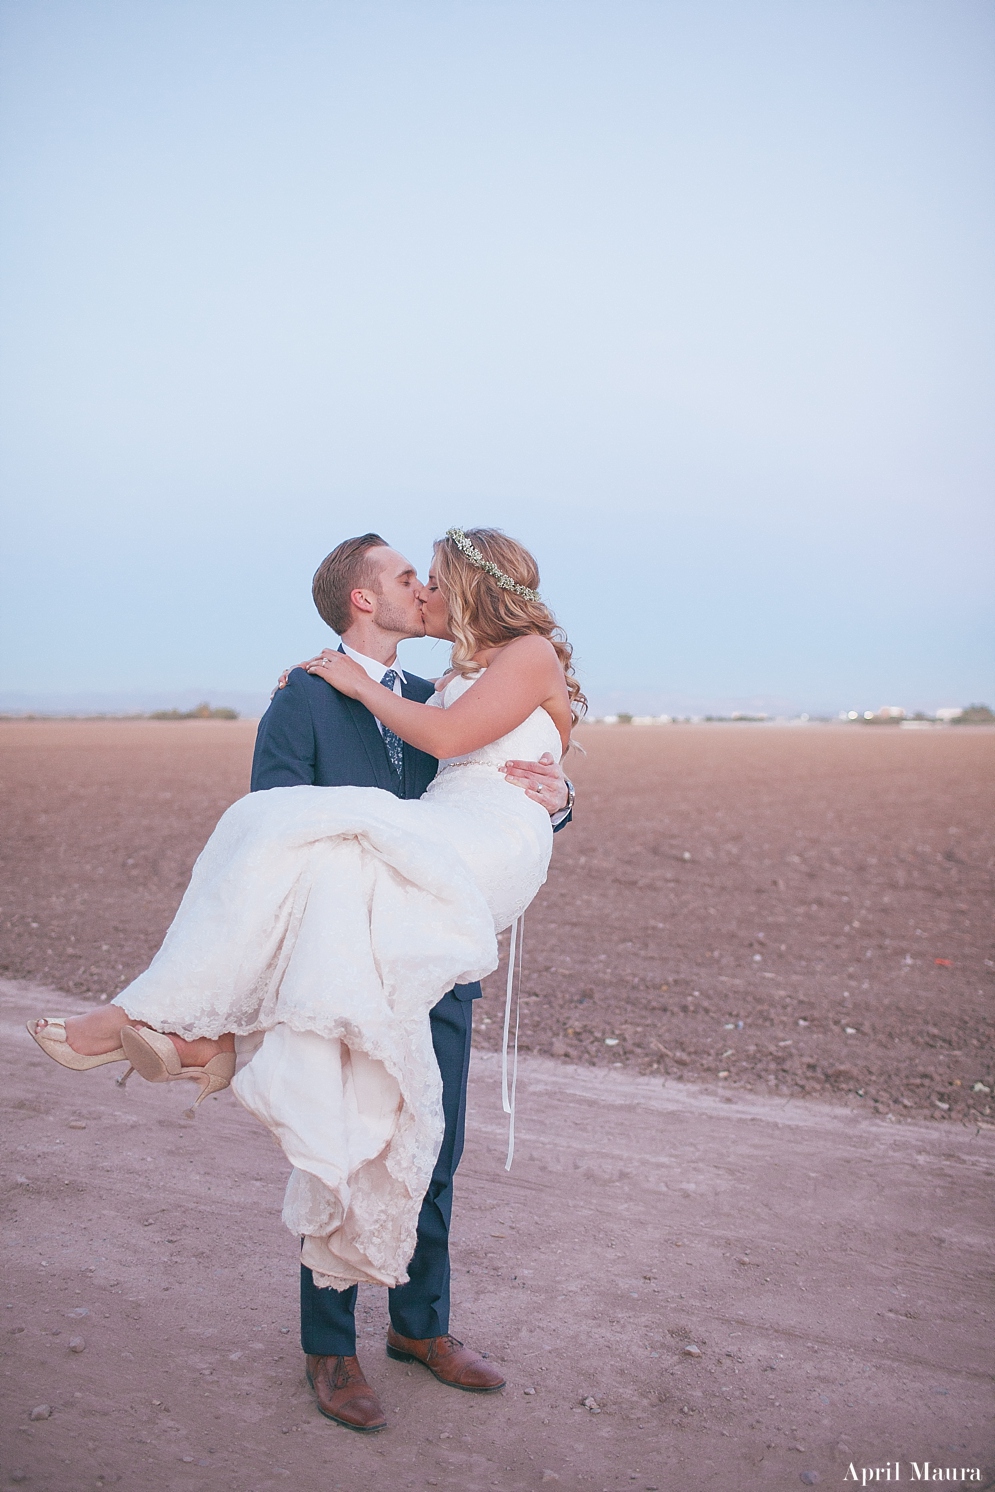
(485,614)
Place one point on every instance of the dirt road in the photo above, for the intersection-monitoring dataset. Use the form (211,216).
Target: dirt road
(827,1264)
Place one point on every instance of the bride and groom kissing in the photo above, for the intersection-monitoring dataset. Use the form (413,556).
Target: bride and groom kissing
(338,938)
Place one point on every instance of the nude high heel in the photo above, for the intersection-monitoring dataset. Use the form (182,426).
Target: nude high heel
(154,1057)
(50,1035)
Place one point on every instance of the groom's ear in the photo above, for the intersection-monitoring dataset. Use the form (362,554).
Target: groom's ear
(363,601)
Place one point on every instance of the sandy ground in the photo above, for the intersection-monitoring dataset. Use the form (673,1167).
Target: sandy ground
(765,903)
(828,1265)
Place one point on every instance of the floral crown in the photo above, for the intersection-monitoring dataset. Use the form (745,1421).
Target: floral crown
(473,554)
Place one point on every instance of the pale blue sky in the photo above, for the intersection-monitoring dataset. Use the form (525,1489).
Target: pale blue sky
(695,298)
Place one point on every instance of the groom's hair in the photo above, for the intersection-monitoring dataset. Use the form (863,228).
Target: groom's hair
(346,569)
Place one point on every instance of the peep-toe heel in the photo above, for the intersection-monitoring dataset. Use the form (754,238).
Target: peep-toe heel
(50,1034)
(154,1057)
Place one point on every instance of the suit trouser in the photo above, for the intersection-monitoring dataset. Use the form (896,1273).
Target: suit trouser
(420,1308)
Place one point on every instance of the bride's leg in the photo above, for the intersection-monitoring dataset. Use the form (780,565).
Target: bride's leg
(198,1053)
(99,1031)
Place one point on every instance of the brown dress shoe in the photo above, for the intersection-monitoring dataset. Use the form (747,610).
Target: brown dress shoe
(448,1359)
(343,1394)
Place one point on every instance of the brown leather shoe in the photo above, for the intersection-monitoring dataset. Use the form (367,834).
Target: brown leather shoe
(343,1394)
(448,1359)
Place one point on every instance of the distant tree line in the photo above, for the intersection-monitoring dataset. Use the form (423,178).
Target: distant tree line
(974,715)
(200,712)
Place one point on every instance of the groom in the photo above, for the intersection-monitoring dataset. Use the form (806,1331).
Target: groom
(370,595)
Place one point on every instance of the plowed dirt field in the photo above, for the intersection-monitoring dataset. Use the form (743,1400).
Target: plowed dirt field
(799,910)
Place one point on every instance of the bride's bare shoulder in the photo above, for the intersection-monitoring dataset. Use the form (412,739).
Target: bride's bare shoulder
(447,678)
(529,651)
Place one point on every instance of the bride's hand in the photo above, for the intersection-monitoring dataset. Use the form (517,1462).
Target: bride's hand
(281,682)
(341,672)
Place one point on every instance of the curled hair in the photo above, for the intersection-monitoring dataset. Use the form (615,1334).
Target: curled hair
(483,615)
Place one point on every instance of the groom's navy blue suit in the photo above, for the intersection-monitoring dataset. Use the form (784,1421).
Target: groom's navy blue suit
(313,734)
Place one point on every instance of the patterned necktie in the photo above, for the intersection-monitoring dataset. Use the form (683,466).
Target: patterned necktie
(394,744)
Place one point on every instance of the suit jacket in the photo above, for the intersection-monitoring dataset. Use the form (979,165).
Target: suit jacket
(313,734)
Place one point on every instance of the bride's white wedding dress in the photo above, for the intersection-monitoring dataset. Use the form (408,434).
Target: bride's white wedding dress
(331,920)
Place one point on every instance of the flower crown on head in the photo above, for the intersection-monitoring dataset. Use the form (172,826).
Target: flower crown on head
(473,554)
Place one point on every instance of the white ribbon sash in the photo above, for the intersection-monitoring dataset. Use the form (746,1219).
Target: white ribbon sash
(516,944)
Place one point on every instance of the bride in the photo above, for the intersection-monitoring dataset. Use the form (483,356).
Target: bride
(322,924)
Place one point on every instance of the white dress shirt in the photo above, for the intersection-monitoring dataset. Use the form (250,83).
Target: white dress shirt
(376,672)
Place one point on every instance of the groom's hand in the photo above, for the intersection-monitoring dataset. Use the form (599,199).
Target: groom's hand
(543,782)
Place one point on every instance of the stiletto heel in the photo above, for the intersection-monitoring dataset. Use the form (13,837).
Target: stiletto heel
(50,1034)
(217,1075)
(154,1057)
